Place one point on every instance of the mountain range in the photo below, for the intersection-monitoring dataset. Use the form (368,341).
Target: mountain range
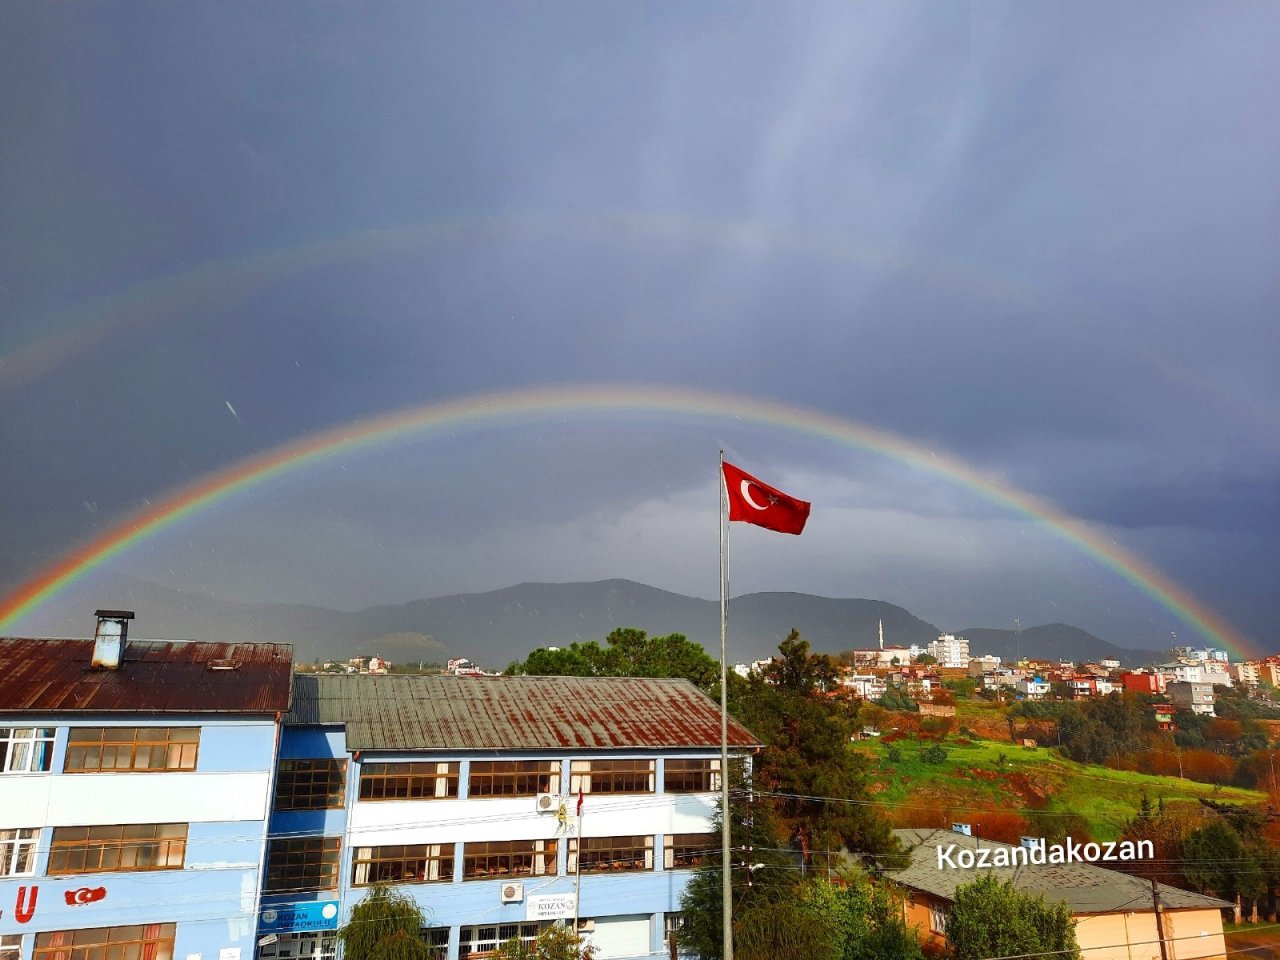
(499,626)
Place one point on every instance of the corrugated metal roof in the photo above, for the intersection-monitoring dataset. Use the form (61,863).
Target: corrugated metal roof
(1084,887)
(156,676)
(512,713)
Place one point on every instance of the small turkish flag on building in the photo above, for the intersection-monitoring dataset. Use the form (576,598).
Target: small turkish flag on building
(754,502)
(579,799)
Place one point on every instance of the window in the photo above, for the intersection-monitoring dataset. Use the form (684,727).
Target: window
(25,749)
(311,784)
(154,941)
(513,778)
(419,863)
(484,941)
(303,863)
(683,851)
(301,946)
(95,749)
(691,776)
(671,924)
(509,858)
(408,781)
(141,846)
(437,942)
(10,946)
(611,776)
(938,919)
(18,852)
(609,854)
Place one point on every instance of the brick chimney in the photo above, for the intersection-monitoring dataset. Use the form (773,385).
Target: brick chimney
(109,639)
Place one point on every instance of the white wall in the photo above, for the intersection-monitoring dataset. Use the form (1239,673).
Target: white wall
(63,800)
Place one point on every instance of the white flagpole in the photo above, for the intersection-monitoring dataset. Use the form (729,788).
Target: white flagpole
(725,865)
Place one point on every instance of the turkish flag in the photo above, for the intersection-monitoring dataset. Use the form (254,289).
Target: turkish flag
(754,502)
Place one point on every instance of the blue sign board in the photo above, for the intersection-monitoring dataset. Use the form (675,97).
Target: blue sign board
(296,917)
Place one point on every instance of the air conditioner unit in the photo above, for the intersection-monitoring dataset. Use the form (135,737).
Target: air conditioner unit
(512,892)
(548,803)
(586,926)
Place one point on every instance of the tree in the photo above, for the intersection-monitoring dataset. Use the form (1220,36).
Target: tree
(807,765)
(1219,861)
(385,925)
(556,942)
(990,918)
(761,872)
(627,652)
(926,659)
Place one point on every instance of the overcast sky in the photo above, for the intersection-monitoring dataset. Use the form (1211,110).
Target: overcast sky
(1043,239)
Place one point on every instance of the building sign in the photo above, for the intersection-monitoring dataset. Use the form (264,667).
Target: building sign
(550,906)
(295,917)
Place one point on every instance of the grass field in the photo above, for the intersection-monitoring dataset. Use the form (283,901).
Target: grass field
(985,775)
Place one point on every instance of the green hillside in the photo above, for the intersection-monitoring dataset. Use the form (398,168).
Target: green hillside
(1034,782)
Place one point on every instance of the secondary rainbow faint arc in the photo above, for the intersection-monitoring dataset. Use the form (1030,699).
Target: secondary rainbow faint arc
(491,409)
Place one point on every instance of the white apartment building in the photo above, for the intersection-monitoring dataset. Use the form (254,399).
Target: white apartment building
(950,651)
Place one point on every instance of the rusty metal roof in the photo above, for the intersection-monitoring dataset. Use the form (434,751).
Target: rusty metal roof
(156,676)
(513,713)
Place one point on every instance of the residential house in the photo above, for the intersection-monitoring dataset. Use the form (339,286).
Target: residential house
(1141,681)
(1113,912)
(135,783)
(480,795)
(1033,688)
(1196,697)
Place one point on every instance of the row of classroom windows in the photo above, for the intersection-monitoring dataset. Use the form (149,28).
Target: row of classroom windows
(100,749)
(321,783)
(312,863)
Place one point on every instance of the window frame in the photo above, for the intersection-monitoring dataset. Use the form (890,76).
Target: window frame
(160,846)
(693,848)
(331,778)
(10,946)
(15,741)
(17,849)
(542,855)
(435,858)
(938,919)
(181,749)
(444,780)
(303,857)
(620,854)
(687,769)
(589,776)
(114,938)
(469,937)
(487,774)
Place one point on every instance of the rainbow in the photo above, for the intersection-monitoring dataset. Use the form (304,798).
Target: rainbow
(532,404)
(188,293)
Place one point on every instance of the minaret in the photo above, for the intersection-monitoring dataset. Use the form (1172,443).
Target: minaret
(881,634)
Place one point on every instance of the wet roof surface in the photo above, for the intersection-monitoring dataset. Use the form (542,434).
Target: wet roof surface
(512,713)
(39,675)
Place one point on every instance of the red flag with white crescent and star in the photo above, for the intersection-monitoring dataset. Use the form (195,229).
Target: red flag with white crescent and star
(754,502)
(579,799)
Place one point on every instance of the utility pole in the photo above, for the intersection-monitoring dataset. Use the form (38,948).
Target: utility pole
(1155,904)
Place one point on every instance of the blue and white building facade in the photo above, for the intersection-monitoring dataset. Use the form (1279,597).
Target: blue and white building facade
(465,793)
(135,786)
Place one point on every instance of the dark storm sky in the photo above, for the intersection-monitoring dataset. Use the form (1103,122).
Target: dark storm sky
(1042,239)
